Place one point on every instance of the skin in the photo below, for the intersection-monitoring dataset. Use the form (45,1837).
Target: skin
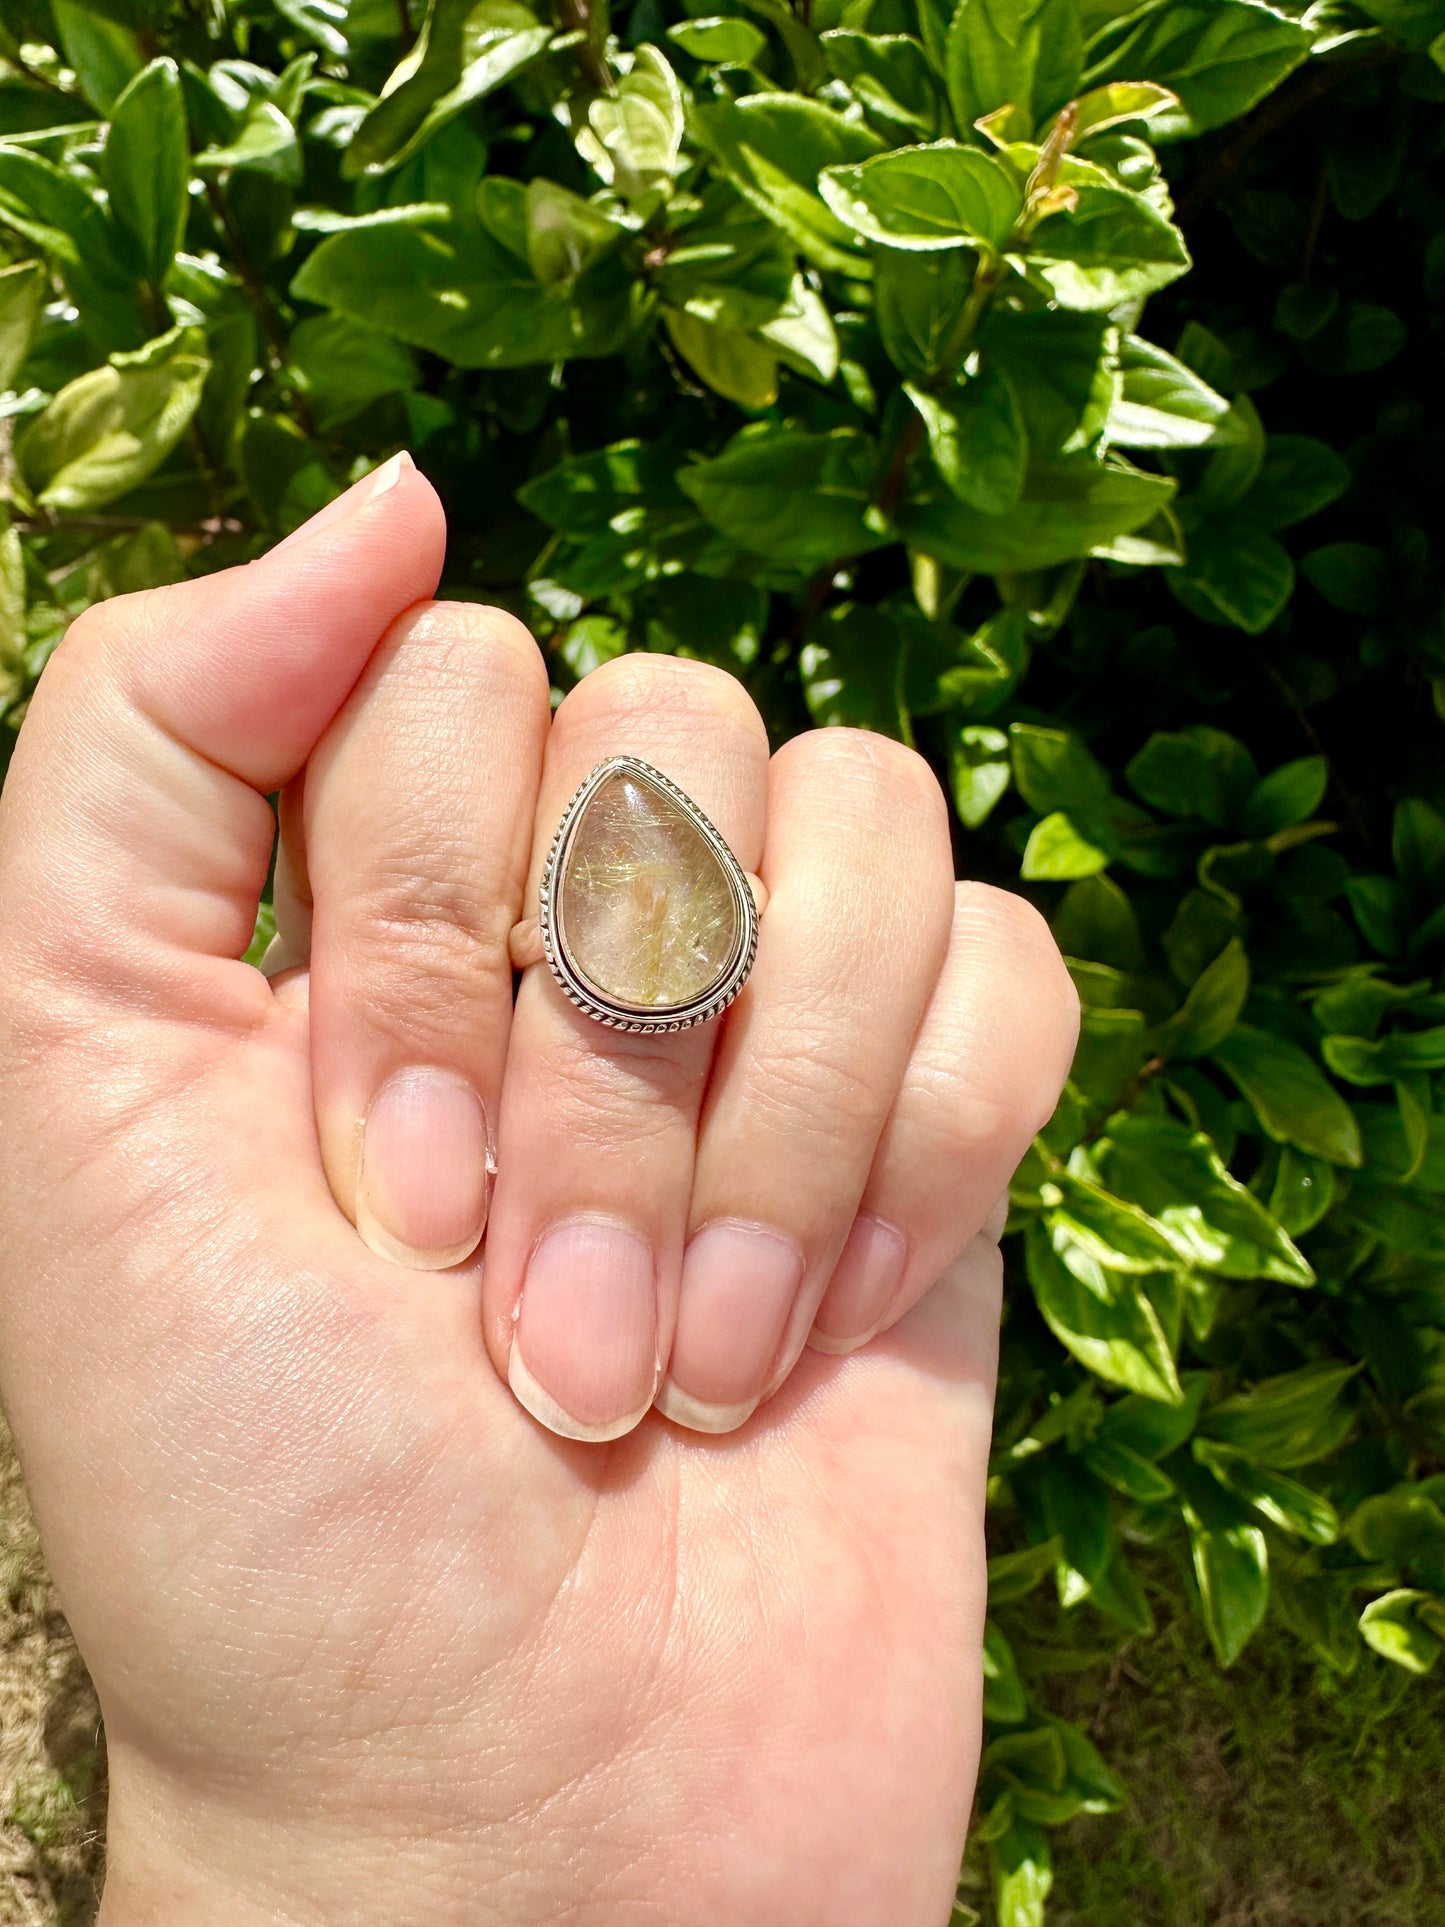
(370,1641)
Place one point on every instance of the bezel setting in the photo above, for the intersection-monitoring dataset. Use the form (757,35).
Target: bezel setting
(576,985)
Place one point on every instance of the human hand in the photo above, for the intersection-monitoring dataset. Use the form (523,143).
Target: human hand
(370,1643)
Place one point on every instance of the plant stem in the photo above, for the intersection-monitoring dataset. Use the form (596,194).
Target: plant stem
(576,17)
(986,279)
(44,524)
(272,327)
(1318,80)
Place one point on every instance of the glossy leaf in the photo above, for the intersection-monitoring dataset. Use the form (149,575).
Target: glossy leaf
(939,196)
(1291,1097)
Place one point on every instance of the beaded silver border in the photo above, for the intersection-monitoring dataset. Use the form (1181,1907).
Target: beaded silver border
(586,995)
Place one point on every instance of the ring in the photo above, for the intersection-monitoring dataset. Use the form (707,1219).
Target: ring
(646,918)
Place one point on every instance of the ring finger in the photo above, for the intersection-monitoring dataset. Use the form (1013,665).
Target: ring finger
(859,872)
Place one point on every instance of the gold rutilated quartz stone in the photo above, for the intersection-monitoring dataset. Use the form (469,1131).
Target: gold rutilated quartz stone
(646,906)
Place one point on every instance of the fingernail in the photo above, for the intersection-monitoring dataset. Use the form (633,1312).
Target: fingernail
(862,1287)
(350,500)
(739,1282)
(421,1194)
(584,1349)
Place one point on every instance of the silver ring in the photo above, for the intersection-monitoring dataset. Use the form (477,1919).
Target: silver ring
(647,919)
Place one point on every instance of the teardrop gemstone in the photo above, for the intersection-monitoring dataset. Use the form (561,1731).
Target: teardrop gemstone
(645,906)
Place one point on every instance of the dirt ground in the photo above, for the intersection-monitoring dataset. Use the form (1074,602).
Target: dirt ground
(52,1756)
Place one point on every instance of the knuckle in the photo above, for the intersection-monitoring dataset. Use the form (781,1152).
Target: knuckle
(673,687)
(807,1084)
(482,642)
(626,1091)
(967,1117)
(432,917)
(878,770)
(476,647)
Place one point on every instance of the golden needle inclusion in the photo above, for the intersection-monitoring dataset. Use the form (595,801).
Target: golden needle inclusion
(645,902)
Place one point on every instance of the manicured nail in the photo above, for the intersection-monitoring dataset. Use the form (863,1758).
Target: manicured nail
(350,500)
(862,1287)
(421,1194)
(739,1282)
(584,1348)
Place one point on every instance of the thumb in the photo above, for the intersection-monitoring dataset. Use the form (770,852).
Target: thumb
(134,820)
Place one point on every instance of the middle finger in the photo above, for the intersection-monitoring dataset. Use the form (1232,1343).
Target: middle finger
(598,1126)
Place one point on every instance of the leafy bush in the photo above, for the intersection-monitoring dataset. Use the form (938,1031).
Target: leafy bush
(814,343)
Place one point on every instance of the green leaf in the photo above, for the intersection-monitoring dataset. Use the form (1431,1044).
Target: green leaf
(565,234)
(1022,1866)
(1404,1528)
(265,144)
(1150,1429)
(1063,371)
(108,430)
(1287,1421)
(888,75)
(980,772)
(1290,1095)
(936,196)
(1417,844)
(1391,1626)
(1161,403)
(1111,1230)
(1113,1329)
(1004,1700)
(1353,576)
(723,42)
(1303,1191)
(1112,248)
(585,496)
(1196,771)
(105,53)
(465,51)
(1284,1502)
(342,367)
(1096,920)
(1067,509)
(774,149)
(788,494)
(474,302)
(1219,56)
(734,365)
(1013,1575)
(1026,54)
(1211,1010)
(53,209)
(1128,1472)
(977,440)
(1365,1061)
(1118,102)
(22,295)
(803,335)
(1288,795)
(1240,572)
(1231,1567)
(147,167)
(633,135)
(853,672)
(917,298)
(1297,478)
(1214,1221)
(1055,771)
(729,267)
(1059,852)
